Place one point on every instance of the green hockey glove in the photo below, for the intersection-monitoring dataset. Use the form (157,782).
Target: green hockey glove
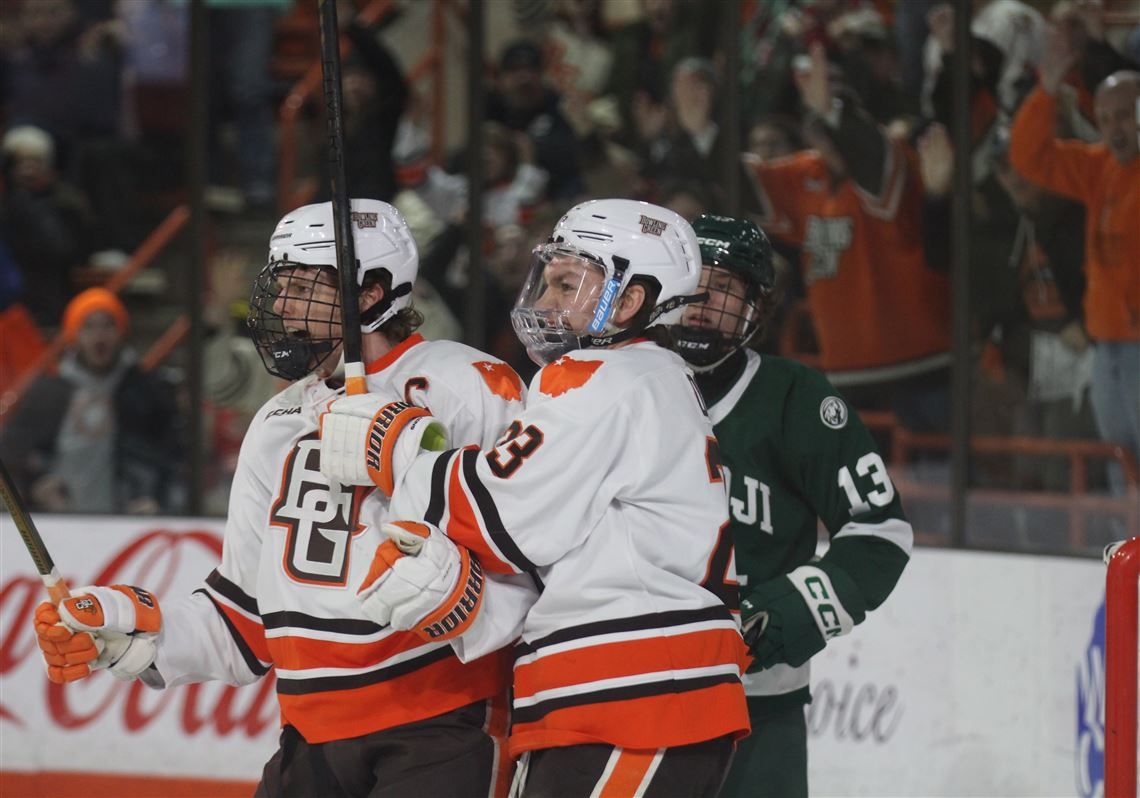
(790,619)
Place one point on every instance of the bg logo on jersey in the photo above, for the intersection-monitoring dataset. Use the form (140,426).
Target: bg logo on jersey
(320,523)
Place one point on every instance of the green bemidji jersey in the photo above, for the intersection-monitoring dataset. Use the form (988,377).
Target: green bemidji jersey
(794,453)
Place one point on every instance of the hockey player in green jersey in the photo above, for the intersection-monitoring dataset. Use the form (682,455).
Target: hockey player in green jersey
(794,454)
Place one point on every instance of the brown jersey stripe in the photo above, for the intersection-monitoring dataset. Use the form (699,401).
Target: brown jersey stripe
(670,686)
(324,684)
(655,620)
(702,649)
(290,619)
(230,591)
(247,638)
(492,522)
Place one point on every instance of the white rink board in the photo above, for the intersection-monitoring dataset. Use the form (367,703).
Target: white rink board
(964,683)
(104,725)
(968,683)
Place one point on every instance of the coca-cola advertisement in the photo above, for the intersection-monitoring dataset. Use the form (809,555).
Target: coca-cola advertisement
(101,725)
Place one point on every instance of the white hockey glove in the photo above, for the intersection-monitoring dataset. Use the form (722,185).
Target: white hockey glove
(422,581)
(99,627)
(366,440)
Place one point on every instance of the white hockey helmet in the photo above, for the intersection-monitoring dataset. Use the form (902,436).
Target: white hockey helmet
(305,239)
(601,246)
(380,236)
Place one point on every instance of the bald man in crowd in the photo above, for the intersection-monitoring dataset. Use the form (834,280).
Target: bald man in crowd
(1105,176)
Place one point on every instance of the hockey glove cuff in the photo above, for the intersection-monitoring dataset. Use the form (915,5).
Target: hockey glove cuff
(421,581)
(366,440)
(790,619)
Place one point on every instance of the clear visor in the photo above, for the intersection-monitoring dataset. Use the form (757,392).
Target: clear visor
(567,295)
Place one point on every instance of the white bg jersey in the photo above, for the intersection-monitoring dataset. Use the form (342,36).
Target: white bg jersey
(607,493)
(297,548)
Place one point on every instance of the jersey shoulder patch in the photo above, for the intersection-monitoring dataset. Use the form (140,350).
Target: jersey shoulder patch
(566,374)
(501,379)
(833,412)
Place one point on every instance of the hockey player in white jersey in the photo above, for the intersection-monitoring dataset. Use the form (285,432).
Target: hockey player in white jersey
(605,493)
(357,698)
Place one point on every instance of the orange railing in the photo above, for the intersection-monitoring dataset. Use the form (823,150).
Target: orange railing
(291,191)
(154,243)
(1077,503)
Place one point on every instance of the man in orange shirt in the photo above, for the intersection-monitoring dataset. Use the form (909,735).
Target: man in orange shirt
(1106,178)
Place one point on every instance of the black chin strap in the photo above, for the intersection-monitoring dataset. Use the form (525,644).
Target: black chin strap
(381,307)
(596,341)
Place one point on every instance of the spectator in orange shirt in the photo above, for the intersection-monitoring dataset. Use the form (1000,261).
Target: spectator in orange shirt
(1106,178)
(853,204)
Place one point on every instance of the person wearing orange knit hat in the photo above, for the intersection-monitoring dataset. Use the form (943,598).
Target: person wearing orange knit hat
(101,435)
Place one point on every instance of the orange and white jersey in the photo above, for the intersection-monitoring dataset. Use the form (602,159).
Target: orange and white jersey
(296,549)
(606,492)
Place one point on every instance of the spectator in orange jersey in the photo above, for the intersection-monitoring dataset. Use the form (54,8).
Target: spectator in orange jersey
(1106,178)
(853,206)
(20,340)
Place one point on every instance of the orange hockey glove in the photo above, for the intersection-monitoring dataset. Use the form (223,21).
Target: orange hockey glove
(422,581)
(98,627)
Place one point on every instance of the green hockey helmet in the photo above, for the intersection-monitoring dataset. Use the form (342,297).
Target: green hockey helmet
(736,309)
(739,246)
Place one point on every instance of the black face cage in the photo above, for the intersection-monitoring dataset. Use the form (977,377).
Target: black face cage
(287,343)
(706,346)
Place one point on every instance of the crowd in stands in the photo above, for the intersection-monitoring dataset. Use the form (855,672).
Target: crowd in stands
(846,161)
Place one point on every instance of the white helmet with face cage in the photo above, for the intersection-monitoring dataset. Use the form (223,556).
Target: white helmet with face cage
(596,250)
(304,240)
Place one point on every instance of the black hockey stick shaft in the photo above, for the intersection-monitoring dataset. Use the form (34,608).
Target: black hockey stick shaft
(342,213)
(54,583)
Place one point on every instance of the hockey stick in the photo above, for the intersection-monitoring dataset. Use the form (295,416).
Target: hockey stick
(54,583)
(342,213)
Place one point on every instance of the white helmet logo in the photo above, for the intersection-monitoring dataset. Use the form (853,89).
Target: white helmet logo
(365,219)
(833,412)
(651,226)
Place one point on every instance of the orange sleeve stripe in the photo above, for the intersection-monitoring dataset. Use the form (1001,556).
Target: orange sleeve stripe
(303,653)
(252,632)
(628,773)
(702,649)
(661,721)
(440,687)
(463,524)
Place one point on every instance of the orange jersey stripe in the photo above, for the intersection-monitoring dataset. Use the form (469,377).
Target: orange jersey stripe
(660,721)
(464,526)
(700,649)
(252,632)
(628,773)
(431,690)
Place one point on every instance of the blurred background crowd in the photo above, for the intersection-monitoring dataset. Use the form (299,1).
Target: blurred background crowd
(830,122)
